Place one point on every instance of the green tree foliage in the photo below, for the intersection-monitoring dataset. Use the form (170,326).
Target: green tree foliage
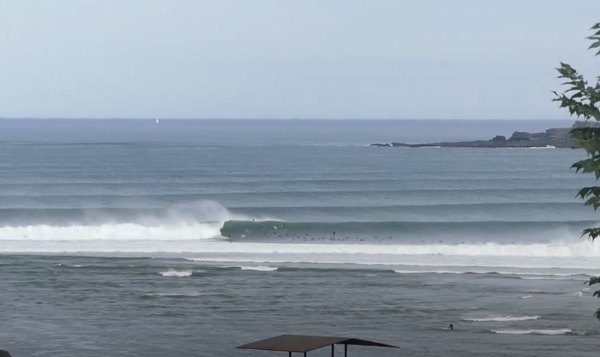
(582,100)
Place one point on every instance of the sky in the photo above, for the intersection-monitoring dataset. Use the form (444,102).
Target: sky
(330,59)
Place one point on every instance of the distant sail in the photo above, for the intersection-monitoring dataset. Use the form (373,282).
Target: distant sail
(156,120)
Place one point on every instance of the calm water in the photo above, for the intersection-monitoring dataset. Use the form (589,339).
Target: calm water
(193,237)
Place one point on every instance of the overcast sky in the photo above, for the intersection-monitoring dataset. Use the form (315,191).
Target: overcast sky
(290,59)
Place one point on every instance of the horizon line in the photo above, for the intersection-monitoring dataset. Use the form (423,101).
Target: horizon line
(288,119)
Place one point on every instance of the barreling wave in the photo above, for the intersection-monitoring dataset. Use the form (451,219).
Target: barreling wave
(149,213)
(407,232)
(420,234)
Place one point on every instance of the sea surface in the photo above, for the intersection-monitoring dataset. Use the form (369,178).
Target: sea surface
(192,237)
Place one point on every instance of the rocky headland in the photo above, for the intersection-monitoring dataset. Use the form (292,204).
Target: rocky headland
(555,137)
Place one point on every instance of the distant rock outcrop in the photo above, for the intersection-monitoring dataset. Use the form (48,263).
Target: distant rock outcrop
(555,137)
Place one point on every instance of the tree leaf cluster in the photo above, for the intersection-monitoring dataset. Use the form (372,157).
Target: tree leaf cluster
(582,100)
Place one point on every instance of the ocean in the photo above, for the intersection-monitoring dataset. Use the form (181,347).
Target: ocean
(192,237)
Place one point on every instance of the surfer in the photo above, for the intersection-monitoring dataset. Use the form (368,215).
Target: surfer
(451,327)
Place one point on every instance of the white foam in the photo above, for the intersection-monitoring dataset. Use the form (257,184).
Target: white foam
(192,220)
(560,331)
(404,255)
(183,232)
(526,296)
(501,318)
(176,273)
(111,232)
(543,147)
(193,242)
(259,268)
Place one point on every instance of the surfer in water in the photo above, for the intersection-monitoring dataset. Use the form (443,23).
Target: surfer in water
(451,327)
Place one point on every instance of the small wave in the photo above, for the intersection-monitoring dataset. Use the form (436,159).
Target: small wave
(176,295)
(400,271)
(546,292)
(526,296)
(176,273)
(560,331)
(543,147)
(259,268)
(501,318)
(511,274)
(549,277)
(69,265)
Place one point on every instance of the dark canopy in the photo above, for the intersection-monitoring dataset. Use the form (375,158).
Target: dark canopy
(301,343)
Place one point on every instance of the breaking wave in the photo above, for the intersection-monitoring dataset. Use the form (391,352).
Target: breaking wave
(176,273)
(259,268)
(560,331)
(194,220)
(110,232)
(417,232)
(506,318)
(208,230)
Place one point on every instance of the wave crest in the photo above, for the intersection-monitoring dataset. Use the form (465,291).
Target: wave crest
(505,318)
(176,273)
(192,220)
(559,331)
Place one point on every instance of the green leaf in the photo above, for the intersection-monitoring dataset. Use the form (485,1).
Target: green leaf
(591,233)
(582,100)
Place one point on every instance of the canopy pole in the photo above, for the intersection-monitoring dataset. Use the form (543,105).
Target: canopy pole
(290,354)
(345,350)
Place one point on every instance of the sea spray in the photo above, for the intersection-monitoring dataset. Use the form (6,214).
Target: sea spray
(192,220)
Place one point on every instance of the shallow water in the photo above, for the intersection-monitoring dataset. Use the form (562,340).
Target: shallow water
(85,306)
